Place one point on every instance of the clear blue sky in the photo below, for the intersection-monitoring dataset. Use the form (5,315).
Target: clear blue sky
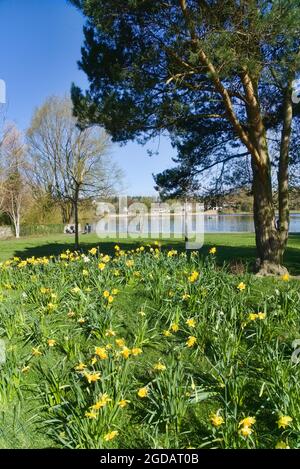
(40,43)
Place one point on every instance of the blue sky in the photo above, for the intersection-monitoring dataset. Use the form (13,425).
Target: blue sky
(40,43)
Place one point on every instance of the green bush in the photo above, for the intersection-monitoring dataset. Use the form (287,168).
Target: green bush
(28,230)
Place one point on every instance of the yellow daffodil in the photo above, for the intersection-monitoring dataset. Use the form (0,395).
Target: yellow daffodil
(252,317)
(120,343)
(103,400)
(126,352)
(143,392)
(123,403)
(174,327)
(111,435)
(284,421)
(92,377)
(216,420)
(213,250)
(101,266)
(261,316)
(245,431)
(191,322)
(193,277)
(247,422)
(191,341)
(285,277)
(80,367)
(159,367)
(136,351)
(51,342)
(186,296)
(35,352)
(101,353)
(91,415)
(241,286)
(281,445)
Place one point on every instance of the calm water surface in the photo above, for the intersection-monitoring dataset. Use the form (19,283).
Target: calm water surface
(230,223)
(239,223)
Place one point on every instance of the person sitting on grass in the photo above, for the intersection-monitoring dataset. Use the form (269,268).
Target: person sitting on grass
(70,230)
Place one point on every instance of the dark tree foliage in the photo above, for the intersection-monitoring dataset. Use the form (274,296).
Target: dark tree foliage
(217,76)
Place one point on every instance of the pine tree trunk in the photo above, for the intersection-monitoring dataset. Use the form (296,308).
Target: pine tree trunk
(283,169)
(272,236)
(269,244)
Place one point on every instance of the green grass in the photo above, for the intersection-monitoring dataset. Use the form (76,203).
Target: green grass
(231,247)
(238,367)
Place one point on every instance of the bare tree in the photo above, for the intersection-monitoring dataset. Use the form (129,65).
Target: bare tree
(13,186)
(70,163)
(3,127)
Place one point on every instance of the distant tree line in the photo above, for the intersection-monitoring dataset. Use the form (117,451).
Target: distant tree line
(55,165)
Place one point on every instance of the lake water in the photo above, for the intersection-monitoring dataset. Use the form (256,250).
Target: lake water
(143,225)
(239,223)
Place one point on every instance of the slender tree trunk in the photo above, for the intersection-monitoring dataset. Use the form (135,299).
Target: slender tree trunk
(63,213)
(17,229)
(70,210)
(16,222)
(76,223)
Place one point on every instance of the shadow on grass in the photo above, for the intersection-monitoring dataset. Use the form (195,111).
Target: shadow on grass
(225,253)
(105,247)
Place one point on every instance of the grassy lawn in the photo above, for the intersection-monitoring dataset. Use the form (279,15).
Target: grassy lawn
(231,247)
(146,349)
